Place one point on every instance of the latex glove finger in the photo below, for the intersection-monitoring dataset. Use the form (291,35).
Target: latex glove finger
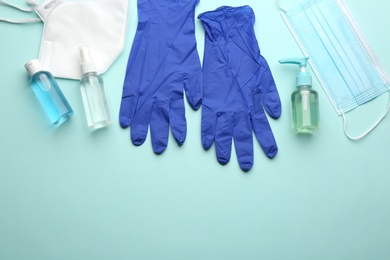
(128,104)
(193,81)
(140,123)
(178,121)
(262,129)
(131,86)
(209,121)
(159,126)
(269,93)
(223,137)
(243,140)
(127,110)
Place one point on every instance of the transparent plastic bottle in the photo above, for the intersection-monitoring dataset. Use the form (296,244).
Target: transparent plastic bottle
(48,93)
(305,106)
(305,112)
(93,92)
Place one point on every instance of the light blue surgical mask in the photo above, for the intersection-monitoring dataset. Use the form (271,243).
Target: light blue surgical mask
(340,55)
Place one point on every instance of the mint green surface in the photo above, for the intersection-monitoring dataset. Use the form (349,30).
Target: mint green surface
(70,193)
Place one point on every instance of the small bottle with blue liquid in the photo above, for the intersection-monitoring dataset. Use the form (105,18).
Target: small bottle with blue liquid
(305,108)
(48,93)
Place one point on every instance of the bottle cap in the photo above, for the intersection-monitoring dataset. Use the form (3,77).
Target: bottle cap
(86,62)
(303,79)
(33,66)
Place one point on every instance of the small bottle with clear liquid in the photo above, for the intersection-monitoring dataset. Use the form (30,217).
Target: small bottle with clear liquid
(48,93)
(93,92)
(305,108)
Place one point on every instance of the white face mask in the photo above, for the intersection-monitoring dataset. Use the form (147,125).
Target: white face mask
(100,24)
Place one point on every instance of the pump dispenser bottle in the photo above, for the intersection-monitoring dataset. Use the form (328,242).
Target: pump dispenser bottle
(48,93)
(93,92)
(305,109)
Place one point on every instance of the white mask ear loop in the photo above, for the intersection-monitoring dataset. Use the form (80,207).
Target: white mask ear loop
(29,2)
(277,2)
(369,130)
(33,3)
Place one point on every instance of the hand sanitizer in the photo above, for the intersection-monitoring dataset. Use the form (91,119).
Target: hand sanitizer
(48,93)
(305,109)
(93,93)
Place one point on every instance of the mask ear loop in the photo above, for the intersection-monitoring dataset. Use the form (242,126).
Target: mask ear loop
(32,3)
(369,130)
(278,3)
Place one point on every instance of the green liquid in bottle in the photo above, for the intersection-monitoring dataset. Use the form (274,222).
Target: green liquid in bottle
(305,111)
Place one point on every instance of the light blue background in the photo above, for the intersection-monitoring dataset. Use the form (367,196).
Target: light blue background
(70,193)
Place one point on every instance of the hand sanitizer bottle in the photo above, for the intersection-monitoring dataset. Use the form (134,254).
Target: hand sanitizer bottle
(93,93)
(305,109)
(48,93)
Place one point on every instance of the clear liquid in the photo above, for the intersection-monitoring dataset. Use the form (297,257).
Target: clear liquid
(51,97)
(305,110)
(95,101)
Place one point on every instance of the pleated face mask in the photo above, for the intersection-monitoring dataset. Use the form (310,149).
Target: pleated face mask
(340,55)
(100,24)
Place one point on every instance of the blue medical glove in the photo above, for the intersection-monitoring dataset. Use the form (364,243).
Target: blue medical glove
(237,85)
(163,61)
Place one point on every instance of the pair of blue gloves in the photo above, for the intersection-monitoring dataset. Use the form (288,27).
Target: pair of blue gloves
(234,86)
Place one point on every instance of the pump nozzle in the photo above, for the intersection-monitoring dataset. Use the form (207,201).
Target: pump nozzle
(303,77)
(302,62)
